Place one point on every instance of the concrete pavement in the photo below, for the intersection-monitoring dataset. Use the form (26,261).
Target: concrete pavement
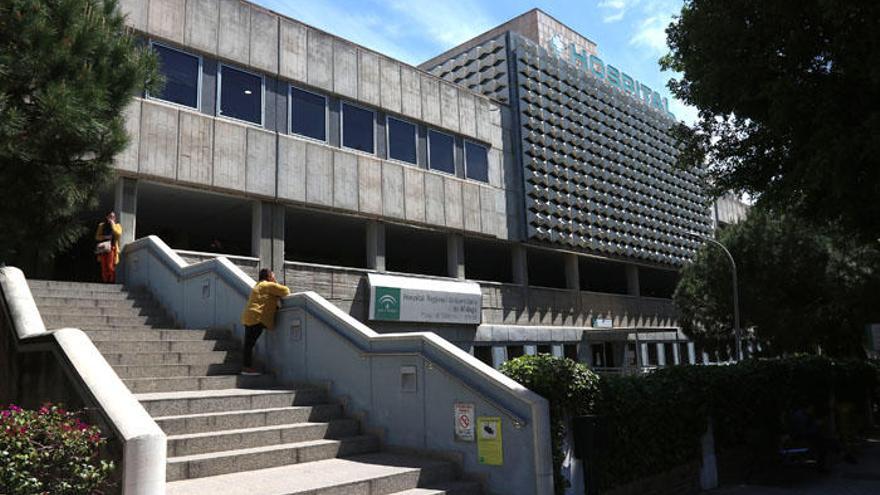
(862,478)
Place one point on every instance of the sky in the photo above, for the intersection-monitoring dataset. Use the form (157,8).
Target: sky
(629,33)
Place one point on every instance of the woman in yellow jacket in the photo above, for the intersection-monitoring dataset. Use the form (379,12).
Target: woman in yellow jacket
(259,314)
(108,234)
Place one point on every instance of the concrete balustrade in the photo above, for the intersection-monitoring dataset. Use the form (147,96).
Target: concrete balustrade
(317,342)
(95,382)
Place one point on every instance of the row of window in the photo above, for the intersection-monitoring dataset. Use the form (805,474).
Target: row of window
(241,94)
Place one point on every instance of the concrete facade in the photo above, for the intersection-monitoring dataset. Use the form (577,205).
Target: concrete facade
(179,145)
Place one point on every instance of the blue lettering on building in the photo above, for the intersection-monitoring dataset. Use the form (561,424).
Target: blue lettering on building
(591,64)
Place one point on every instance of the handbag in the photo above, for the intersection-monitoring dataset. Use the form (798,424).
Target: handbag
(103,247)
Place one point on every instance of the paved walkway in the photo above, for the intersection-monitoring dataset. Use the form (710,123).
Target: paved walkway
(862,478)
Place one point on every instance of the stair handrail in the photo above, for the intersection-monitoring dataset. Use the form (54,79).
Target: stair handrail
(499,389)
(144,443)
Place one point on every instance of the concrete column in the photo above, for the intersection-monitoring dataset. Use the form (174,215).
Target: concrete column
(661,354)
(632,280)
(278,230)
(572,272)
(125,206)
(643,349)
(267,236)
(676,353)
(455,256)
(692,353)
(376,246)
(499,355)
(530,350)
(557,350)
(261,232)
(520,266)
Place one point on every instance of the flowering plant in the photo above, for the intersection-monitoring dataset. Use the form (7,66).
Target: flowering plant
(50,451)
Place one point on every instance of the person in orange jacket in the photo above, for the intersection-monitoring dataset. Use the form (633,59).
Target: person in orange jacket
(108,234)
(259,314)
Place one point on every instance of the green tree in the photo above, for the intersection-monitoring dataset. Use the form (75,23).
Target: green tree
(789,102)
(799,288)
(67,70)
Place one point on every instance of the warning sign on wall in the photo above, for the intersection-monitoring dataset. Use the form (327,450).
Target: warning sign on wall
(464,422)
(489,449)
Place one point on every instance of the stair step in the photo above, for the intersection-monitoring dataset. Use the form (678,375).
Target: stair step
(220,382)
(147,358)
(175,370)
(216,441)
(90,321)
(445,488)
(232,420)
(56,294)
(151,334)
(60,311)
(71,302)
(61,284)
(230,461)
(236,399)
(150,346)
(365,474)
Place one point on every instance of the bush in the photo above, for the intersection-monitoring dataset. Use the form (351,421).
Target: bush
(569,387)
(50,451)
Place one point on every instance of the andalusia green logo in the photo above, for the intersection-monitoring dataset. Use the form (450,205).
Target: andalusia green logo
(387,303)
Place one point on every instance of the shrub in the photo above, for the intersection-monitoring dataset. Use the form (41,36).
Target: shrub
(569,387)
(50,451)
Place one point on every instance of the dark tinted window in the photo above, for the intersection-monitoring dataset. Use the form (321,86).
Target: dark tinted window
(308,114)
(441,152)
(241,95)
(401,140)
(181,72)
(570,351)
(476,161)
(357,128)
(483,353)
(514,351)
(545,349)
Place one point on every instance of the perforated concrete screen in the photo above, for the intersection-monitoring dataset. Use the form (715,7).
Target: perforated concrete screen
(599,166)
(483,69)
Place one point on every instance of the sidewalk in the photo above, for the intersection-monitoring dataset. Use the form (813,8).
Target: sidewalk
(862,478)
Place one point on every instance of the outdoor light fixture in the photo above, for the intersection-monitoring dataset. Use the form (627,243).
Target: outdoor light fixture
(736,330)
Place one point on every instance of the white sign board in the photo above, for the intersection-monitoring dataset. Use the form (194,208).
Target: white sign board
(874,337)
(464,422)
(395,298)
(603,322)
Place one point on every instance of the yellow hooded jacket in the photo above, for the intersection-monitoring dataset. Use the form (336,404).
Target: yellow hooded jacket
(262,304)
(117,233)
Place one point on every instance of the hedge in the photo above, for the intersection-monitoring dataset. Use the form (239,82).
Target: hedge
(654,422)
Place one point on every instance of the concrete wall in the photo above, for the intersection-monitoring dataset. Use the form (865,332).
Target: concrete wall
(184,146)
(316,342)
(64,366)
(502,304)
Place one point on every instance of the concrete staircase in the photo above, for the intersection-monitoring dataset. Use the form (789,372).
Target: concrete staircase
(231,434)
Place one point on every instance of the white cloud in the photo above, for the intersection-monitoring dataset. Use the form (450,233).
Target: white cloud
(651,34)
(686,113)
(446,22)
(613,17)
(615,9)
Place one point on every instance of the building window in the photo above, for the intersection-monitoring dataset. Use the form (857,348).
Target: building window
(570,351)
(483,353)
(241,95)
(476,160)
(514,351)
(308,114)
(401,140)
(357,128)
(182,73)
(545,349)
(441,152)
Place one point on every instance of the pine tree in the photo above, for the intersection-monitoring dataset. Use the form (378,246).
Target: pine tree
(68,68)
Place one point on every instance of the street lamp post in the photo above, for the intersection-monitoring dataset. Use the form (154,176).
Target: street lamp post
(736,329)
